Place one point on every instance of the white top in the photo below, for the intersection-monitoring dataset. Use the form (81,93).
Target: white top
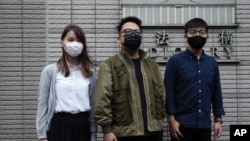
(72,92)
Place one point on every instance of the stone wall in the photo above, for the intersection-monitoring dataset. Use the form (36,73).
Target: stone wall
(29,40)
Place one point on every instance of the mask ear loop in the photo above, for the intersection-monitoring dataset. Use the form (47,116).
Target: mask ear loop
(185,37)
(119,42)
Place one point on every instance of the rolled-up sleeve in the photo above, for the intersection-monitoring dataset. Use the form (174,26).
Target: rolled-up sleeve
(217,101)
(170,81)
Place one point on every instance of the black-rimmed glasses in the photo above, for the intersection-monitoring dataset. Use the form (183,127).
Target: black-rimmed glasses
(195,32)
(129,31)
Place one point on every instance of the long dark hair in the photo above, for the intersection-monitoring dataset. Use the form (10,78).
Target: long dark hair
(83,58)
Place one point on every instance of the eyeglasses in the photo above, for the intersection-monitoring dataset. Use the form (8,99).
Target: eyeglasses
(194,32)
(129,31)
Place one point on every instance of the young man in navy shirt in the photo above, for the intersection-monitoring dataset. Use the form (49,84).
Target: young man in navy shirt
(193,88)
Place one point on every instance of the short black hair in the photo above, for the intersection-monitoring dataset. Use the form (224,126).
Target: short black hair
(129,19)
(194,23)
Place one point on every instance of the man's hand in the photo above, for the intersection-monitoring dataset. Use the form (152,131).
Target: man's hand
(110,137)
(174,127)
(217,130)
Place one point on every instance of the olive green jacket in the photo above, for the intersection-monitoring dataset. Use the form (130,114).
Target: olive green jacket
(117,99)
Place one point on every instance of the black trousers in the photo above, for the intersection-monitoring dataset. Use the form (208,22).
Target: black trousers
(69,127)
(193,134)
(154,137)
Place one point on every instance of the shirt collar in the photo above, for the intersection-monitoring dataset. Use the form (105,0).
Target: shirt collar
(192,55)
(141,53)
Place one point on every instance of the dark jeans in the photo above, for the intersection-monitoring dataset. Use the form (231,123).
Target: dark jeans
(193,134)
(155,137)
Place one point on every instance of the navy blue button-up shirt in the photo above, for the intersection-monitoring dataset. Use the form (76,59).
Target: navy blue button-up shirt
(192,89)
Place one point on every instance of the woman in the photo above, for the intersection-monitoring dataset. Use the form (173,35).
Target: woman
(65,93)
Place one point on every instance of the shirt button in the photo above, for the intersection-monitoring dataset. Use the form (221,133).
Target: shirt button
(199,101)
(199,81)
(199,110)
(199,71)
(199,91)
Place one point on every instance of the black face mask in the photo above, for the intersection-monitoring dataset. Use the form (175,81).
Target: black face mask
(197,42)
(132,41)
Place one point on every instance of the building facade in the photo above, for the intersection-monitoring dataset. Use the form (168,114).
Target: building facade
(30,33)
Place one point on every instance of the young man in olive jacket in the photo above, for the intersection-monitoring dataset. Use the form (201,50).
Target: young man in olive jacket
(130,94)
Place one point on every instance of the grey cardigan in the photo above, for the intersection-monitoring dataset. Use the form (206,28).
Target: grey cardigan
(47,101)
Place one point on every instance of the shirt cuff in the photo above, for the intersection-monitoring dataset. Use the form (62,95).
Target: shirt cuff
(106,129)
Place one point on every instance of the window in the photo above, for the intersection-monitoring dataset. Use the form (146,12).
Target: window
(178,12)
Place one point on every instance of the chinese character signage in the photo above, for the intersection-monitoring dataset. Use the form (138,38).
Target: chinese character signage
(163,50)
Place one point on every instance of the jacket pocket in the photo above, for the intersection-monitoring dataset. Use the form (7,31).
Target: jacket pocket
(122,114)
(159,103)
